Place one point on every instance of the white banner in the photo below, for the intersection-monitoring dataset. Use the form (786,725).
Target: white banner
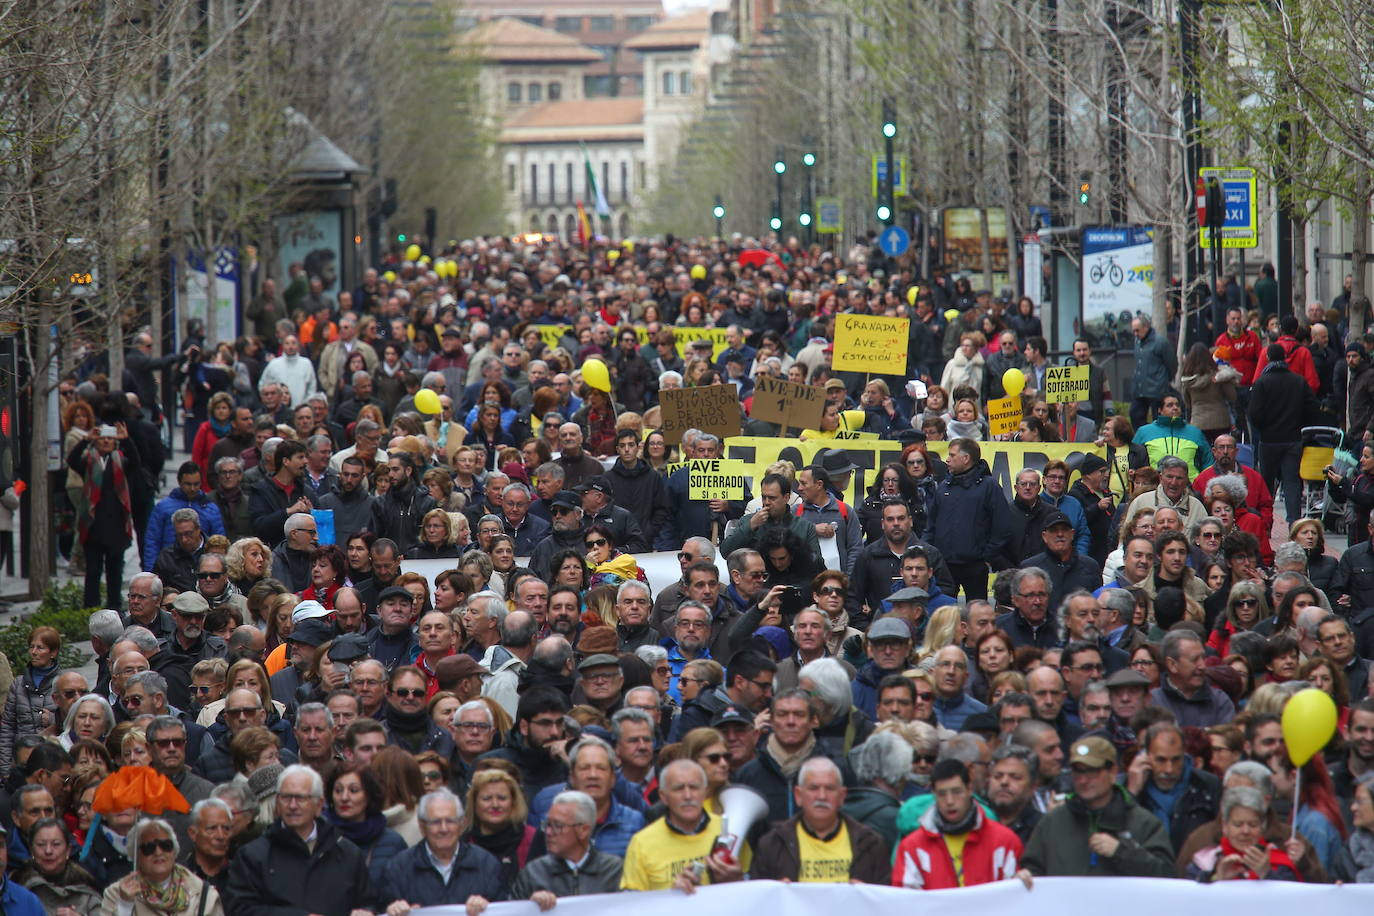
(1049,897)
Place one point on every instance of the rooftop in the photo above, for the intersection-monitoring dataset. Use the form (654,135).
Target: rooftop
(689,30)
(588,119)
(511,40)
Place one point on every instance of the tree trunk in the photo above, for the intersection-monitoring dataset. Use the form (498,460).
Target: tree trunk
(1299,267)
(40,491)
(1359,253)
(1159,284)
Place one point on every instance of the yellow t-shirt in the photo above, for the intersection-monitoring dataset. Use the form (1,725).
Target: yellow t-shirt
(955,845)
(824,861)
(658,854)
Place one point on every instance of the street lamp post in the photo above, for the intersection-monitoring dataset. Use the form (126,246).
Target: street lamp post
(779,169)
(718,211)
(808,216)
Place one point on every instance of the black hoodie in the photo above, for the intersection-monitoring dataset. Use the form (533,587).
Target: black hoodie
(641,490)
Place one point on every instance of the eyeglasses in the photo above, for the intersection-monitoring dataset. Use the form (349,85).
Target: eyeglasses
(714,758)
(474,726)
(558,826)
(242,710)
(152,846)
(765,686)
(413,693)
(170,742)
(686,557)
(291,798)
(209,575)
(693,624)
(757,576)
(601,677)
(547,723)
(1144,663)
(691,680)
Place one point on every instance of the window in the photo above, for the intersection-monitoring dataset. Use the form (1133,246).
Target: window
(600,24)
(553,184)
(606,180)
(638,23)
(643,174)
(532,20)
(568,24)
(513,92)
(595,87)
(568,185)
(684,83)
(536,92)
(555,91)
(510,178)
(624,181)
(669,82)
(534,183)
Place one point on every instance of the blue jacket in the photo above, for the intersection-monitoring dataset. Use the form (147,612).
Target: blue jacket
(18,900)
(865,688)
(969,519)
(952,714)
(1073,509)
(410,876)
(611,836)
(160,533)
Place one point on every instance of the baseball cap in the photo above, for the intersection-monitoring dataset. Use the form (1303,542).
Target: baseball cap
(889,628)
(1092,751)
(1056,518)
(451,331)
(732,714)
(309,610)
(351,647)
(834,383)
(601,485)
(599,660)
(394,591)
(312,632)
(567,499)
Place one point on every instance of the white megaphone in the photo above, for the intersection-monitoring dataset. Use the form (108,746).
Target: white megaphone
(743,809)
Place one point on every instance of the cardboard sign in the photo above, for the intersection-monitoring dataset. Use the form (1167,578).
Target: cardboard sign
(712,409)
(715,478)
(871,343)
(1065,384)
(1004,415)
(787,403)
(854,434)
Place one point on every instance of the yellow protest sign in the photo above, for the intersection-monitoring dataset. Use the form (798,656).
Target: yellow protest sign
(871,343)
(854,434)
(715,478)
(1004,415)
(685,337)
(1065,384)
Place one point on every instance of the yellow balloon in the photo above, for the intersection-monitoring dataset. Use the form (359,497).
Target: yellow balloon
(389,276)
(852,420)
(595,374)
(1309,721)
(453,268)
(1013,380)
(613,256)
(840,278)
(628,245)
(698,272)
(412,252)
(426,401)
(425,260)
(951,314)
(911,295)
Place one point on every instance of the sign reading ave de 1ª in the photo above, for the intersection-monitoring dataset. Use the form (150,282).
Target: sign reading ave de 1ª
(1241,229)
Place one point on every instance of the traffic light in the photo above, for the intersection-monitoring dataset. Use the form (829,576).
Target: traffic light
(779,166)
(889,121)
(884,213)
(808,159)
(775,223)
(400,236)
(1085,190)
(718,211)
(804,218)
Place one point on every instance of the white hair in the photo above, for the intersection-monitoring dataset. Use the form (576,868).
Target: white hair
(831,684)
(423,806)
(296,769)
(141,827)
(583,806)
(821,764)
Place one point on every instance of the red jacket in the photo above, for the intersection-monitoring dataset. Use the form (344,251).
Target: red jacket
(991,853)
(1257,495)
(1299,360)
(1245,352)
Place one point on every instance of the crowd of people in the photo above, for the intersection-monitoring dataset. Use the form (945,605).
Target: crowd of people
(1084,676)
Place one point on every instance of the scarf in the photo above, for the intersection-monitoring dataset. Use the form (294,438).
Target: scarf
(92,490)
(218,427)
(410,727)
(171,896)
(959,827)
(790,761)
(1163,803)
(1277,859)
(230,591)
(39,675)
(361,833)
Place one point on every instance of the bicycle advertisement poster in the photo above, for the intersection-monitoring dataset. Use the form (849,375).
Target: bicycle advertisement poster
(1118,270)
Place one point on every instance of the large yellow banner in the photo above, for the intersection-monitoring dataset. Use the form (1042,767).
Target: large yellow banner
(1005,459)
(551,334)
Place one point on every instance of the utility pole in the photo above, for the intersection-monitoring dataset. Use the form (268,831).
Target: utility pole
(889,203)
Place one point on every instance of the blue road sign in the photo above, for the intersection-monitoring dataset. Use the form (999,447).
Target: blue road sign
(894,241)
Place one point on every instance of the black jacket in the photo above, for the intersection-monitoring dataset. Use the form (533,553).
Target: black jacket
(1024,633)
(625,529)
(1199,805)
(176,567)
(291,567)
(268,503)
(1354,578)
(175,663)
(1024,526)
(878,569)
(277,874)
(763,775)
(1281,403)
(643,491)
(538,768)
(410,876)
(543,552)
(969,519)
(599,874)
(1100,534)
(397,515)
(352,511)
(1079,572)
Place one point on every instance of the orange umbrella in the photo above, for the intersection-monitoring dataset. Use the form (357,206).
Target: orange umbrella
(143,788)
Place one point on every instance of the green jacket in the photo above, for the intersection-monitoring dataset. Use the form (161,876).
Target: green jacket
(1059,845)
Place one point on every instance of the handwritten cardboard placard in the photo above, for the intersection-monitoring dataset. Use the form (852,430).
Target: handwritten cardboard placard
(871,343)
(1004,415)
(715,478)
(787,403)
(712,409)
(1065,384)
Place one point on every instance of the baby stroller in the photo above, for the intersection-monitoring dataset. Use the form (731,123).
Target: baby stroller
(1323,447)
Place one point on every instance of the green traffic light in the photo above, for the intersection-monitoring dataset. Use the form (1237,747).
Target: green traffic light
(884,212)
(400,236)
(775,223)
(779,166)
(809,159)
(889,129)
(719,212)
(804,219)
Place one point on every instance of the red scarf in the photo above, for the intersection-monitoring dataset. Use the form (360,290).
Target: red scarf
(1277,859)
(94,474)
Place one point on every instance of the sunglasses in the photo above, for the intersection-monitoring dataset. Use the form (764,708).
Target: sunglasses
(599,542)
(170,742)
(714,758)
(153,846)
(409,692)
(925,758)
(209,575)
(830,590)
(1247,602)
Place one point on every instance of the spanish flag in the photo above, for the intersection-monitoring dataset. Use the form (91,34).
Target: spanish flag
(584,226)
